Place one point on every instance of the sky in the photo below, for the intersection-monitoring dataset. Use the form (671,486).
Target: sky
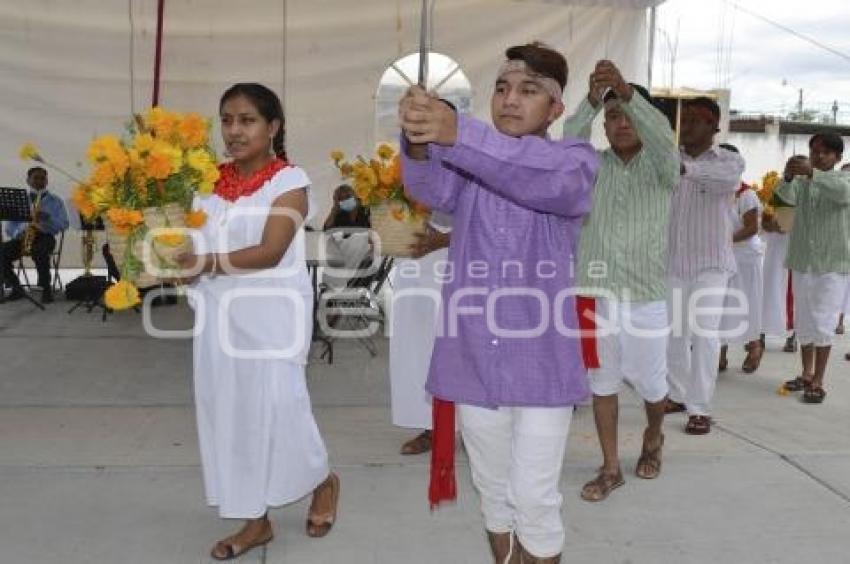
(764,66)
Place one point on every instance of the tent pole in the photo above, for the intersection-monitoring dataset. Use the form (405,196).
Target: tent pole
(652,24)
(157,63)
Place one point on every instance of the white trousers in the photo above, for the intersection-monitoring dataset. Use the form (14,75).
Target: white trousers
(817,303)
(774,320)
(746,289)
(695,308)
(633,349)
(516,455)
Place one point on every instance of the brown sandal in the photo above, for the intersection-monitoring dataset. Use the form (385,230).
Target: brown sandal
(698,425)
(228,548)
(753,360)
(650,458)
(671,406)
(319,525)
(420,444)
(601,486)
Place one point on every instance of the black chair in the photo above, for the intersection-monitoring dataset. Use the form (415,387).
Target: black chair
(55,261)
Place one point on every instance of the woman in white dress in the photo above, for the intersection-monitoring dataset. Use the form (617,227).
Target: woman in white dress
(415,305)
(260,445)
(747,281)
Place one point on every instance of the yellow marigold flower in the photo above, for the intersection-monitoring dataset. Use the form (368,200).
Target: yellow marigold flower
(196,218)
(192,130)
(173,237)
(211,174)
(337,155)
(345,169)
(199,159)
(362,192)
(158,165)
(122,295)
(161,121)
(782,390)
(385,151)
(366,176)
(102,146)
(206,188)
(28,152)
(143,143)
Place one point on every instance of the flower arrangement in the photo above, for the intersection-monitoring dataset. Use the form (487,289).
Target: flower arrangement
(378,181)
(378,184)
(774,208)
(145,180)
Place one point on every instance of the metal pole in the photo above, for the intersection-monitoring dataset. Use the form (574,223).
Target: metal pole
(652,20)
(423,46)
(157,62)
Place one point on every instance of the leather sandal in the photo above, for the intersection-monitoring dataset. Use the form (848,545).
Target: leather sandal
(797,384)
(602,485)
(753,360)
(698,425)
(420,444)
(814,394)
(229,548)
(320,524)
(650,458)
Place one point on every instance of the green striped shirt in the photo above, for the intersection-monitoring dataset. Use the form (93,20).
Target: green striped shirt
(623,242)
(820,236)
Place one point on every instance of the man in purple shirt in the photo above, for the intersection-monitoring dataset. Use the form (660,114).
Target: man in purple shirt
(507,350)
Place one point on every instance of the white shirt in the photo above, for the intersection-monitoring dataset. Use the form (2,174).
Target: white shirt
(744,202)
(700,232)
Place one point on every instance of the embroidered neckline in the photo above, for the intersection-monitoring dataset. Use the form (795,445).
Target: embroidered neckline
(231,186)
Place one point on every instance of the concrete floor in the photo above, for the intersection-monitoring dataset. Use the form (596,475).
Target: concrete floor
(99,463)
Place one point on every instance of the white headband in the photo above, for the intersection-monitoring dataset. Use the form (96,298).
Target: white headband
(550,85)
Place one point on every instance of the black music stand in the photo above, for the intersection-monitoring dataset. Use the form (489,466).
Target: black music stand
(14,206)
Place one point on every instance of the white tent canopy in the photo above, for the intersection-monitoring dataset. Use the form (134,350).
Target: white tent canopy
(76,68)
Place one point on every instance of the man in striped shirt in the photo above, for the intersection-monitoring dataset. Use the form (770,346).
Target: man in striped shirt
(818,254)
(621,264)
(699,262)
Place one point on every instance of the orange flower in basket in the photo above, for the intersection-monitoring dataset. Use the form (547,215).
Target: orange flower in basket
(124,220)
(397,213)
(196,218)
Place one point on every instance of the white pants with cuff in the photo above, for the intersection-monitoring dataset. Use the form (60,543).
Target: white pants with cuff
(516,455)
(817,302)
(695,308)
(632,349)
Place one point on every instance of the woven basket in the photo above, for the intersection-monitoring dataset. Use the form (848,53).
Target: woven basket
(170,215)
(394,237)
(785,218)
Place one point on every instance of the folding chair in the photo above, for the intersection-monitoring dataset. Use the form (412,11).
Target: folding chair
(55,261)
(356,308)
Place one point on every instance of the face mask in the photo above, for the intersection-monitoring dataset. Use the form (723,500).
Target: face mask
(349,204)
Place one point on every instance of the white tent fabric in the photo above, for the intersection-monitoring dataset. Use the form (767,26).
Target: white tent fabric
(76,68)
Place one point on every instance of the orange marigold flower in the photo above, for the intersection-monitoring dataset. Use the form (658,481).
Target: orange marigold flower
(158,166)
(192,130)
(196,218)
(124,220)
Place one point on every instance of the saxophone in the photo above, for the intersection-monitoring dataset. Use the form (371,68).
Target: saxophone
(31,230)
